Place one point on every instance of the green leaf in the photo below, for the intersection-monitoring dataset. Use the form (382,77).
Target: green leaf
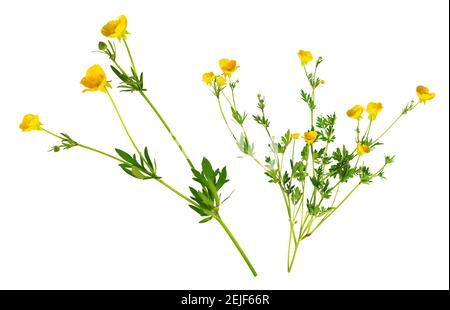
(222,178)
(137,173)
(307,98)
(126,168)
(198,210)
(119,74)
(125,156)
(209,218)
(207,169)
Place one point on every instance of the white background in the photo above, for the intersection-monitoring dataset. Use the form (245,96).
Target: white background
(73,220)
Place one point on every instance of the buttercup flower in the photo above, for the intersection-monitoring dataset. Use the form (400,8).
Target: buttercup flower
(362,149)
(373,108)
(30,122)
(220,81)
(208,77)
(228,66)
(424,93)
(305,56)
(95,79)
(310,137)
(355,112)
(116,28)
(295,135)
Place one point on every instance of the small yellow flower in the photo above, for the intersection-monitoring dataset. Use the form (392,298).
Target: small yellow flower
(362,149)
(373,108)
(295,135)
(208,77)
(220,81)
(310,137)
(95,79)
(228,66)
(424,93)
(305,56)
(355,112)
(30,122)
(116,28)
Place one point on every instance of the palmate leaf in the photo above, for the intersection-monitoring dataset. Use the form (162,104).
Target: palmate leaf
(245,146)
(341,167)
(325,125)
(131,83)
(207,197)
(238,117)
(315,210)
(307,98)
(143,169)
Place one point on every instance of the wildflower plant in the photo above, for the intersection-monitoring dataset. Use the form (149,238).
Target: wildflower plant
(205,196)
(310,168)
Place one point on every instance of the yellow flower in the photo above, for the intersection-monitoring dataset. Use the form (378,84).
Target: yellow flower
(305,56)
(295,135)
(362,149)
(228,66)
(116,28)
(30,122)
(355,112)
(208,77)
(424,93)
(220,81)
(310,137)
(95,79)
(373,108)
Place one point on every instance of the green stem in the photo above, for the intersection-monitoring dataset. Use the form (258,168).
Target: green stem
(393,123)
(289,250)
(285,200)
(123,124)
(156,111)
(236,244)
(366,134)
(313,95)
(357,161)
(85,146)
(129,55)
(295,253)
(232,96)
(313,172)
(225,120)
(241,125)
(122,161)
(99,152)
(232,104)
(275,153)
(51,133)
(176,192)
(167,128)
(337,207)
(335,195)
(357,131)
(308,227)
(290,181)
(119,67)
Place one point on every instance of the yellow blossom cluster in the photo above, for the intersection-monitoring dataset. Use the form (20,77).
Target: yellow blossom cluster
(227,66)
